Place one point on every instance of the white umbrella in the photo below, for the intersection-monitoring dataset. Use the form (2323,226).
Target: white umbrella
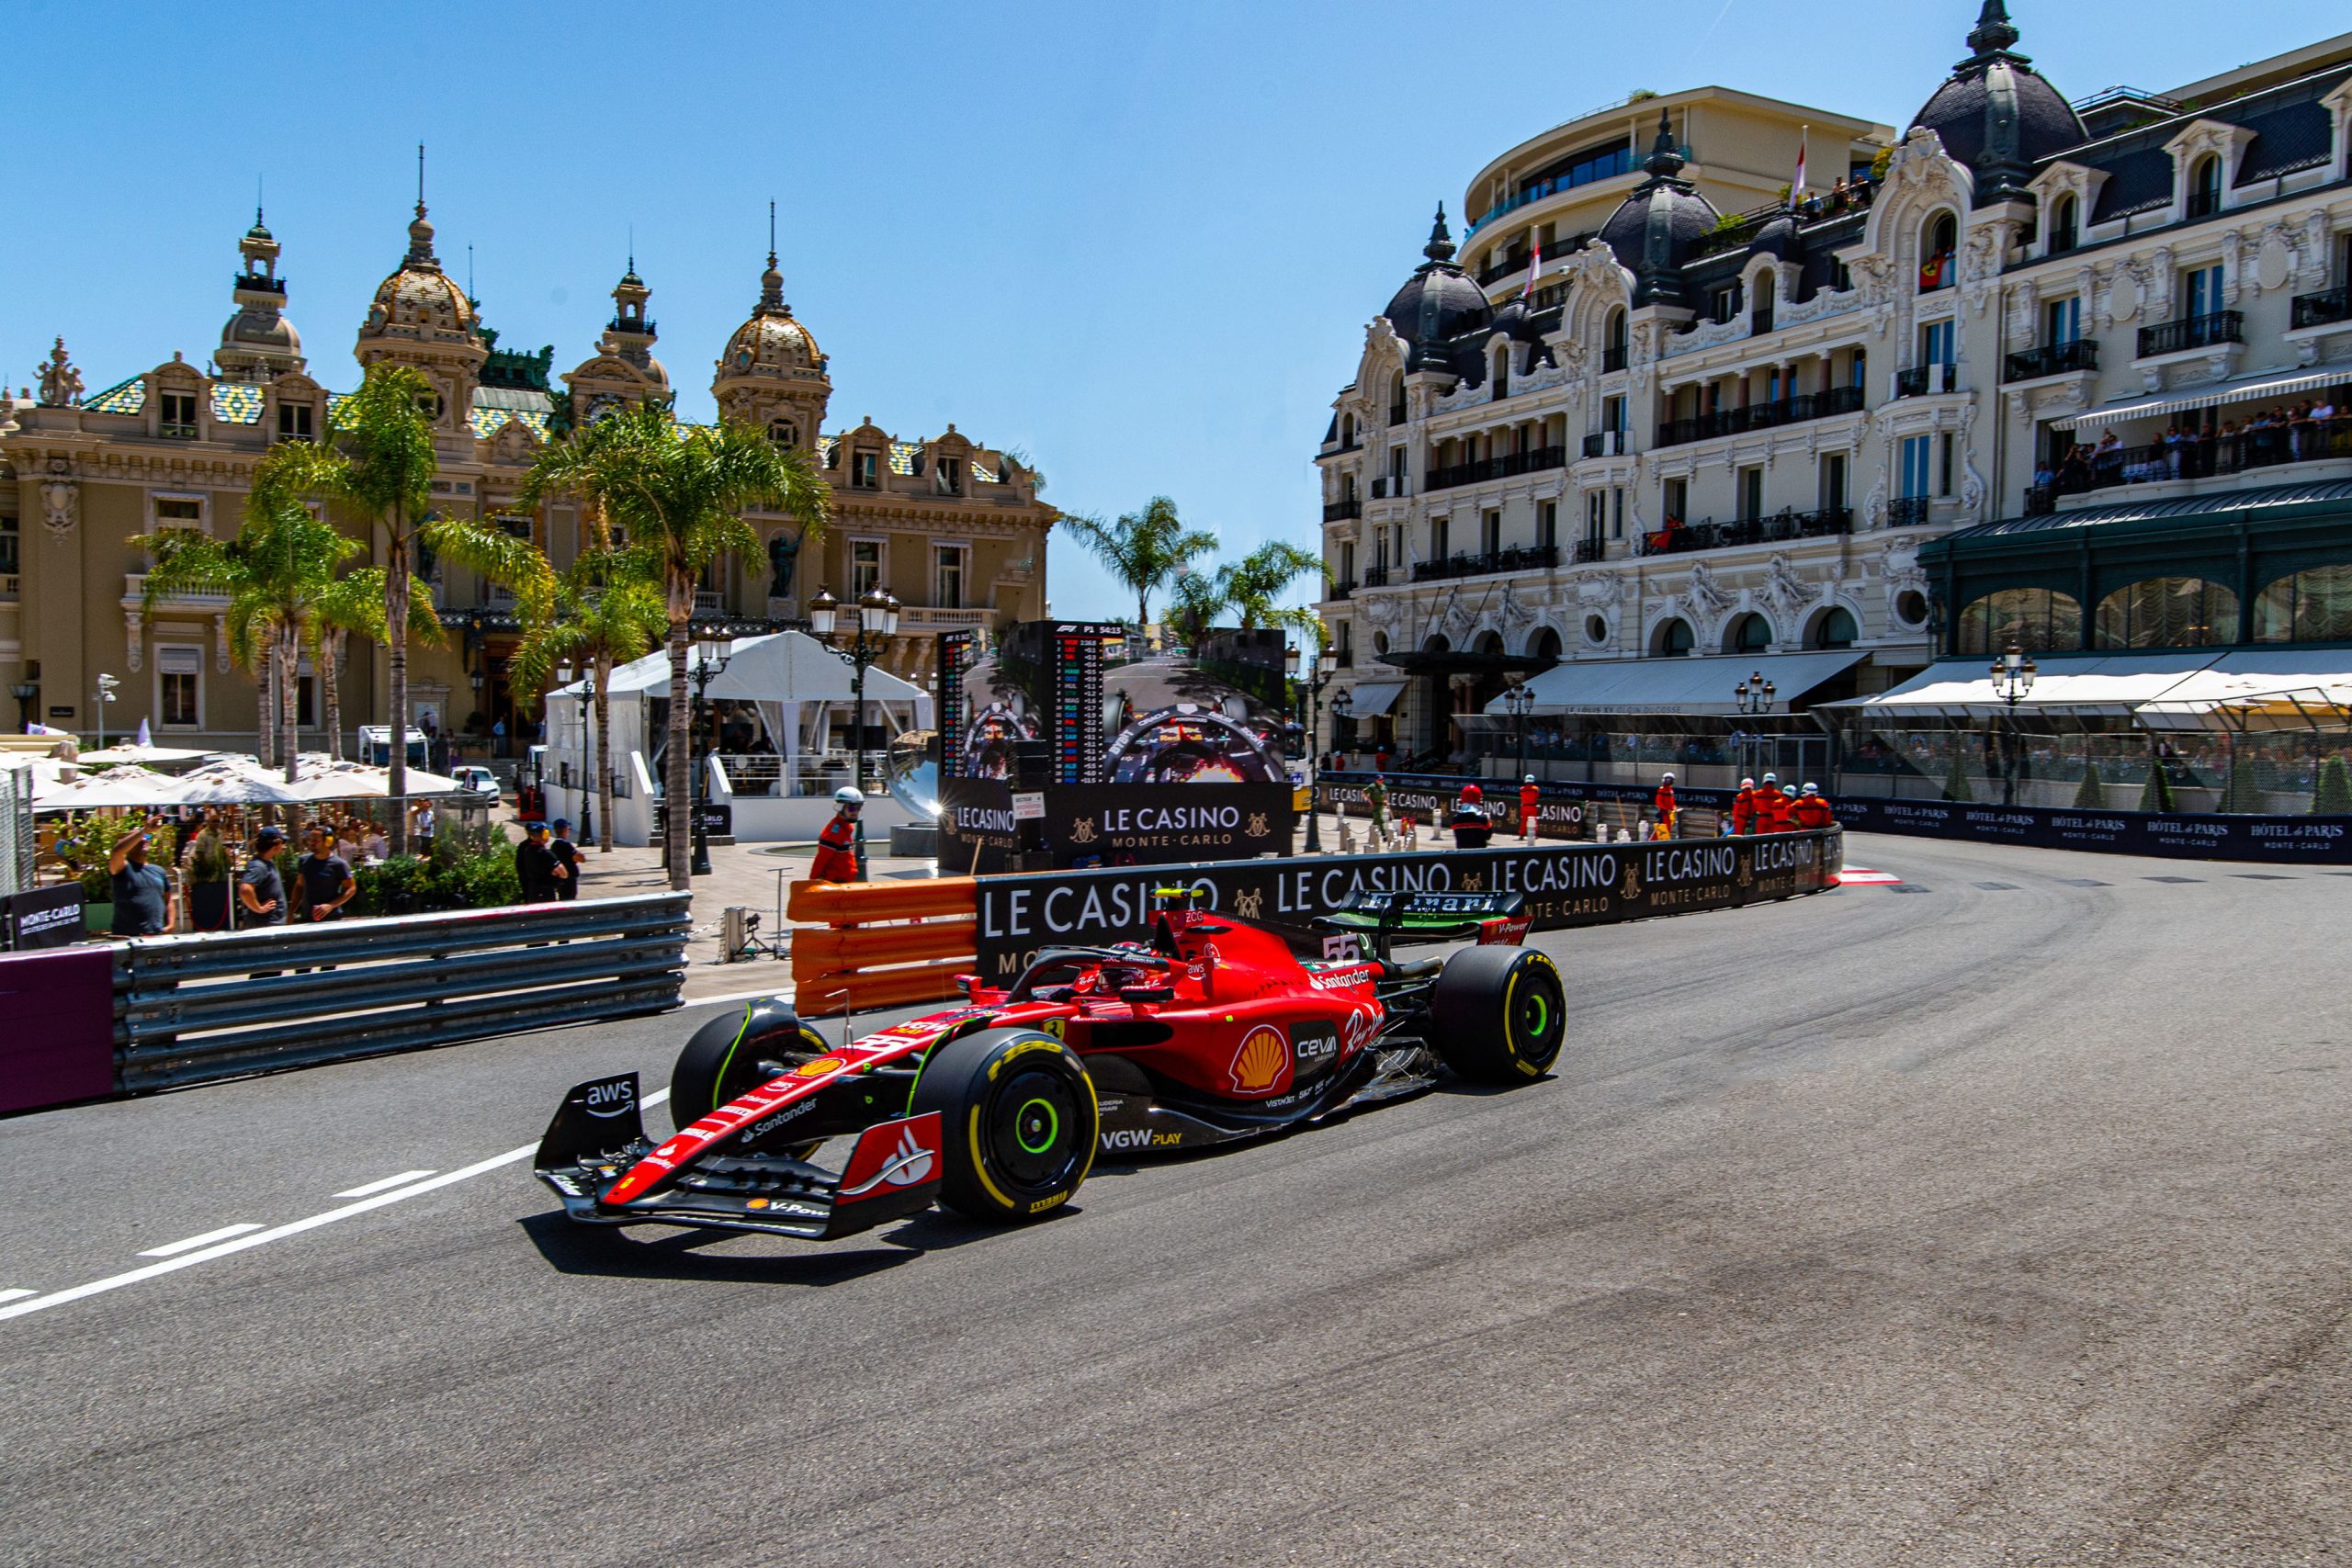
(140,755)
(117,788)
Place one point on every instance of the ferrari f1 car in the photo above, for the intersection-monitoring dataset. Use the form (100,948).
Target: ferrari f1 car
(1213,1030)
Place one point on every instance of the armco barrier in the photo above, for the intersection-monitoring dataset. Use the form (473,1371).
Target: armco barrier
(881,943)
(192,1007)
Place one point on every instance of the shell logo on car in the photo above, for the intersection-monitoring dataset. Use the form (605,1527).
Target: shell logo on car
(820,1067)
(1260,1061)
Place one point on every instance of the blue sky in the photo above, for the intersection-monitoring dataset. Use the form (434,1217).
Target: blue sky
(1139,240)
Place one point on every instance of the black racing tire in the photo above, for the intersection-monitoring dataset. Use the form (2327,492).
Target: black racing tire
(722,1061)
(1018,1123)
(1499,1014)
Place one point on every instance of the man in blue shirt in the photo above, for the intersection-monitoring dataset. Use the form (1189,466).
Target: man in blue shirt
(142,894)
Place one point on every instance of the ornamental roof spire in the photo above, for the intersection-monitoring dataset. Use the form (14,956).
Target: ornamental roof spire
(1994,33)
(1441,246)
(420,230)
(771,281)
(1665,155)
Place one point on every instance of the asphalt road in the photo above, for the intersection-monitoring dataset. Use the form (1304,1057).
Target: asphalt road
(2000,1219)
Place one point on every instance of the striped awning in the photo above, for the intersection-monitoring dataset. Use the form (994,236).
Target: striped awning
(1370,699)
(2244,389)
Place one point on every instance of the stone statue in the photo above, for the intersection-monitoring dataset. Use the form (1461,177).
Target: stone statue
(784,556)
(60,384)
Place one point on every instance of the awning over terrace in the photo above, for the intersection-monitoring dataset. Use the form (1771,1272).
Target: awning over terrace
(2185,689)
(1370,699)
(2244,389)
(1690,687)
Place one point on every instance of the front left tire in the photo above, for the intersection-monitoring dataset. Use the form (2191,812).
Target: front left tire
(1019,1123)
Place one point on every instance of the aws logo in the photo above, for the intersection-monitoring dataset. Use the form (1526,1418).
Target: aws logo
(1259,1064)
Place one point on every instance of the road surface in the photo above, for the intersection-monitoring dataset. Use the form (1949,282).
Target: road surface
(1995,1216)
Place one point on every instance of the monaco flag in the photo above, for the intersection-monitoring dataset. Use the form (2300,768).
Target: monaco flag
(1796,186)
(1534,271)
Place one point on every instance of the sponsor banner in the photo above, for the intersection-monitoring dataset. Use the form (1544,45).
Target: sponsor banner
(982,827)
(58,1047)
(1564,884)
(47,917)
(2306,841)
(717,819)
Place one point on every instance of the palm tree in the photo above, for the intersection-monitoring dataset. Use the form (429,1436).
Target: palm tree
(348,604)
(601,618)
(273,573)
(379,470)
(678,491)
(1143,550)
(1251,585)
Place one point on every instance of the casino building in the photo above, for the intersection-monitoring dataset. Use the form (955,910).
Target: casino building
(952,528)
(1657,425)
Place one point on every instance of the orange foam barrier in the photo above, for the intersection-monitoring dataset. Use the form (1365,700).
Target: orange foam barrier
(880,944)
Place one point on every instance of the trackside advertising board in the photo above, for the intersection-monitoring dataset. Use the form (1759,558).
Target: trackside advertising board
(60,1044)
(1566,885)
(2297,840)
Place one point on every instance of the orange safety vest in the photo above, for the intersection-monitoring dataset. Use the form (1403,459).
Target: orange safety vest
(1774,811)
(1812,812)
(836,852)
(1527,799)
(1665,802)
(1743,812)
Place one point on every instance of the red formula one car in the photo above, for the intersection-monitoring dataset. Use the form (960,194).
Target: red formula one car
(1213,1030)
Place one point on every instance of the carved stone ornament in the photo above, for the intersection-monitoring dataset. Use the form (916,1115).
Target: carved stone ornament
(1782,586)
(1600,590)
(60,506)
(220,645)
(1705,591)
(134,640)
(60,384)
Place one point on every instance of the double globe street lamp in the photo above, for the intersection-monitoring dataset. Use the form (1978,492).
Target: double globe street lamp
(710,663)
(587,747)
(875,623)
(1327,664)
(1519,702)
(1754,696)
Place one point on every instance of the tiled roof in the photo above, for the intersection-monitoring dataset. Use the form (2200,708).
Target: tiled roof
(236,403)
(123,397)
(493,406)
(903,457)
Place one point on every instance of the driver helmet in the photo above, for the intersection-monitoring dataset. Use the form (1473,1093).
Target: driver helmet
(1472,791)
(849,795)
(1530,779)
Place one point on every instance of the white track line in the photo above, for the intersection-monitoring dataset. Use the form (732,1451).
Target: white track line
(14,1295)
(172,1249)
(372,1188)
(256,1238)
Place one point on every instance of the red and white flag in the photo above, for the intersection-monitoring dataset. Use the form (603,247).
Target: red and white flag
(1534,271)
(1796,186)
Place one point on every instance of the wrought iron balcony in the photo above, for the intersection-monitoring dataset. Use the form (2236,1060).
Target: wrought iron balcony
(1589,550)
(1341,510)
(1497,468)
(2324,308)
(2209,331)
(1375,577)
(1336,588)
(1714,536)
(2051,359)
(2204,203)
(1761,416)
(1395,414)
(1390,487)
(1531,557)
(1605,443)
(1612,358)
(1906,511)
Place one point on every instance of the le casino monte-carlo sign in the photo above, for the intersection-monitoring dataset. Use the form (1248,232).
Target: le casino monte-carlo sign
(1565,886)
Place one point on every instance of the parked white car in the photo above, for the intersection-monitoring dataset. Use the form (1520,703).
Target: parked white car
(479,780)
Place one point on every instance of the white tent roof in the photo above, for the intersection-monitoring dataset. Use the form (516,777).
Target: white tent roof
(2258,689)
(1700,686)
(2107,685)
(786,667)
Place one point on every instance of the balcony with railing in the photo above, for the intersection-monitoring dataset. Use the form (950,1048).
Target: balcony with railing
(1590,550)
(1503,467)
(1375,577)
(1761,416)
(1495,272)
(1612,358)
(1344,509)
(2191,454)
(2210,331)
(1395,414)
(1336,588)
(1606,444)
(1683,539)
(1907,512)
(1390,487)
(1922,380)
(2325,309)
(1527,558)
(2203,203)
(2052,359)
(2064,240)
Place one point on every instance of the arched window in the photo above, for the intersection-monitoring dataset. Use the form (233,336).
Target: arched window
(1546,644)
(1612,353)
(1397,399)
(2205,186)
(1761,298)
(1347,430)
(1437,644)
(2035,619)
(1748,633)
(784,433)
(1834,627)
(2065,224)
(2167,612)
(2313,605)
(1941,239)
(1502,370)
(1673,640)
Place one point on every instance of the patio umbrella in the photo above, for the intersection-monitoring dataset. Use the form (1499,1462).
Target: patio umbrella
(142,756)
(126,786)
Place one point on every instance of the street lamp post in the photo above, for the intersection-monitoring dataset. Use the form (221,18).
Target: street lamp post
(1519,702)
(107,686)
(25,692)
(587,748)
(1327,664)
(2013,675)
(709,664)
(1754,696)
(869,638)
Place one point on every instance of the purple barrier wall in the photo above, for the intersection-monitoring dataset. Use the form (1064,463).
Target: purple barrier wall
(58,1045)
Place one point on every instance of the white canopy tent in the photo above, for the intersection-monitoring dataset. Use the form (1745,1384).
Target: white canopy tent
(2182,689)
(1698,687)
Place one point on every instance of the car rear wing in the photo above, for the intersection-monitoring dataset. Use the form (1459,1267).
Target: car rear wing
(1386,918)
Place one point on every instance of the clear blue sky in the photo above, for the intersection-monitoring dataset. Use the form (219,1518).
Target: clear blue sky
(1139,240)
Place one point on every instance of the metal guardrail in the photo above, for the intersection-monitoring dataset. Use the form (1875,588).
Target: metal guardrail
(190,1008)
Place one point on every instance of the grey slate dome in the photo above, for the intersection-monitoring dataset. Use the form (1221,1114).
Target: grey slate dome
(1997,113)
(1439,303)
(1777,239)
(1653,231)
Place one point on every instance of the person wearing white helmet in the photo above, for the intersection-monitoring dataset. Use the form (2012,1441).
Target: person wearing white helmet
(1743,809)
(838,841)
(1664,801)
(1811,811)
(1772,804)
(1529,807)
